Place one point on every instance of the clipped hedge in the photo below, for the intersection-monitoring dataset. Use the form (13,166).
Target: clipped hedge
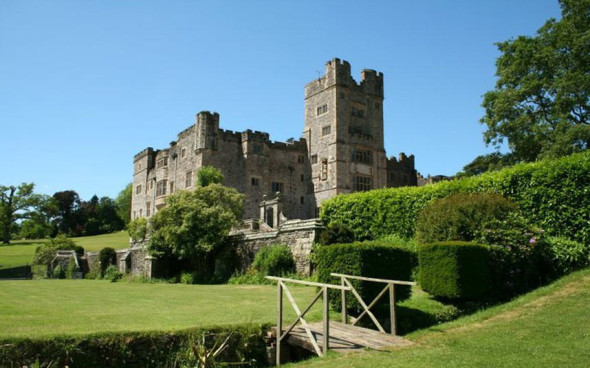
(554,194)
(135,349)
(368,259)
(454,269)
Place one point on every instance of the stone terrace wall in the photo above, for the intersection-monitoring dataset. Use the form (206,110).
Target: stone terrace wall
(298,235)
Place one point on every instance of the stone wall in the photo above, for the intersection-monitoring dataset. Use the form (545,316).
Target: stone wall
(298,235)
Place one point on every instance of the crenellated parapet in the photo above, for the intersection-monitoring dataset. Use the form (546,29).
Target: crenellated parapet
(143,153)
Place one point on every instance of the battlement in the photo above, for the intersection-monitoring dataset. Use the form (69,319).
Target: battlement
(143,153)
(186,133)
(230,135)
(295,145)
(401,161)
(249,135)
(338,72)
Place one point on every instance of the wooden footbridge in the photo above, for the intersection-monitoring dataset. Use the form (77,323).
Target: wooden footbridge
(331,335)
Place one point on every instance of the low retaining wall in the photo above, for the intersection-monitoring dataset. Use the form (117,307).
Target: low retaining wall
(298,235)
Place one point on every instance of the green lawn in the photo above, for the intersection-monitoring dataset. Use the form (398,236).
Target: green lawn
(38,308)
(20,252)
(549,327)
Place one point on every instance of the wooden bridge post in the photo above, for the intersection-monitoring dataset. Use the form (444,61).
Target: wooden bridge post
(279,321)
(392,309)
(326,321)
(343,291)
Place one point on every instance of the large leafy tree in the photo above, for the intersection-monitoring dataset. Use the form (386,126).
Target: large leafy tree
(123,201)
(194,225)
(541,100)
(69,212)
(16,203)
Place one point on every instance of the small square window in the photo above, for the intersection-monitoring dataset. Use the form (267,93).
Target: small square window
(342,95)
(277,187)
(314,159)
(326,130)
(321,110)
(300,159)
(255,182)
(183,153)
(138,189)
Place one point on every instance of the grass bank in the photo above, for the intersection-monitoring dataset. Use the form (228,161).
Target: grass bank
(547,327)
(20,252)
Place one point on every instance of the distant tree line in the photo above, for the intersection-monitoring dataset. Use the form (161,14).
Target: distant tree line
(25,214)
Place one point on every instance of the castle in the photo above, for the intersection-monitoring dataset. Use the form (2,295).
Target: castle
(341,151)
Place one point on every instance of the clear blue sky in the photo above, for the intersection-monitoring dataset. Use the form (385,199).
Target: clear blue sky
(84,85)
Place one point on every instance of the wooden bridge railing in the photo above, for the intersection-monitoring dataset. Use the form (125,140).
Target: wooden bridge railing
(282,288)
(347,286)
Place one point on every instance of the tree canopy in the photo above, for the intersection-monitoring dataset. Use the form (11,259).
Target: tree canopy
(195,224)
(541,99)
(16,203)
(123,201)
(209,175)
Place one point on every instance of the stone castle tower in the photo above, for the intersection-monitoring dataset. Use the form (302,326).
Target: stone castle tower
(341,151)
(344,131)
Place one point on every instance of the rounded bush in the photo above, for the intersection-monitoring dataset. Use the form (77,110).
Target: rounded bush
(275,260)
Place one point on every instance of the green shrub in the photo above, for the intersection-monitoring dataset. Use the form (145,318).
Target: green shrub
(368,259)
(58,272)
(72,268)
(460,216)
(187,278)
(135,349)
(137,229)
(112,273)
(336,233)
(454,270)
(567,255)
(275,260)
(107,257)
(45,253)
(551,193)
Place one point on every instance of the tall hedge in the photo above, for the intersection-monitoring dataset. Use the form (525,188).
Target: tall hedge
(554,194)
(368,259)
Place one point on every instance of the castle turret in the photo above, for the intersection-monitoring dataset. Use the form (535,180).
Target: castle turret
(207,130)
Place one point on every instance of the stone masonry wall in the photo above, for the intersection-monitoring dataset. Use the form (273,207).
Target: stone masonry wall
(298,235)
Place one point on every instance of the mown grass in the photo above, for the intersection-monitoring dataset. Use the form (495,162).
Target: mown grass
(20,252)
(548,327)
(42,308)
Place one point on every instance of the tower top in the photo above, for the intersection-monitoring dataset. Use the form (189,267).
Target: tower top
(337,73)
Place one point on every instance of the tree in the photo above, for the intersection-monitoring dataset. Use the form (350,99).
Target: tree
(489,162)
(194,225)
(39,225)
(123,201)
(68,207)
(541,100)
(16,203)
(209,175)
